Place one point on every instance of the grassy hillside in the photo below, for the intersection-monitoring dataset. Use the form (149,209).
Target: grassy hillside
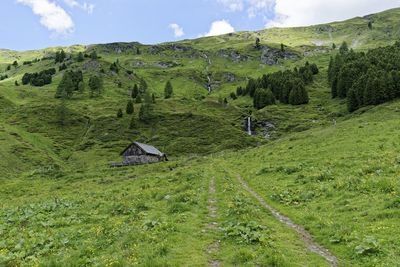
(332,172)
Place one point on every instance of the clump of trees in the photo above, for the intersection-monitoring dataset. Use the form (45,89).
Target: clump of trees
(364,79)
(3,77)
(287,87)
(60,56)
(71,81)
(39,79)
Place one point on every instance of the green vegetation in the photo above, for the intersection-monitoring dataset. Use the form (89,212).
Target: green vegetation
(370,78)
(332,171)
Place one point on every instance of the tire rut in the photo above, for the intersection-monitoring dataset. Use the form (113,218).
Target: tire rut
(305,236)
(213,248)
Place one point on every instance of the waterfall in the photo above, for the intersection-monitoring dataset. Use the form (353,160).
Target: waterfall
(209,84)
(249,126)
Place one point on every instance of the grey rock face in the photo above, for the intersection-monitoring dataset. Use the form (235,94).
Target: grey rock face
(271,56)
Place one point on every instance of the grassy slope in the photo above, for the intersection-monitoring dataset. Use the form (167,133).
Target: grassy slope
(337,181)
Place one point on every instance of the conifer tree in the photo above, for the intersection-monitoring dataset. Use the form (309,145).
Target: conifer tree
(168,90)
(66,87)
(135,91)
(129,107)
(344,48)
(258,46)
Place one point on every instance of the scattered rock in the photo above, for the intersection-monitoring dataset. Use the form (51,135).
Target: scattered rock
(229,77)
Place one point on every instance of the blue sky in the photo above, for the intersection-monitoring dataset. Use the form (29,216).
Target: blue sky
(32,24)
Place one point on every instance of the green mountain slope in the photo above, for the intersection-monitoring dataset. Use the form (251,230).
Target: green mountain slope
(333,172)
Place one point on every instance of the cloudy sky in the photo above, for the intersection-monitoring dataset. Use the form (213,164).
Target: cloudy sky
(31,24)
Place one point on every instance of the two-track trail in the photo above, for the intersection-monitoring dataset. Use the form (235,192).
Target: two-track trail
(305,236)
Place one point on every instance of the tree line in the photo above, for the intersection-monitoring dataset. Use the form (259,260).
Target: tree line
(364,79)
(287,87)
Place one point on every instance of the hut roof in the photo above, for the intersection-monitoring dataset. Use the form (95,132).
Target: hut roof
(146,148)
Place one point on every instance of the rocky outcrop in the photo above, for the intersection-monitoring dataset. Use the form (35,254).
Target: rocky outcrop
(118,47)
(91,65)
(271,56)
(233,55)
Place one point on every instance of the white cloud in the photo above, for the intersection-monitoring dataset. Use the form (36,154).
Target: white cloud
(178,30)
(256,7)
(220,27)
(308,12)
(253,7)
(52,16)
(84,6)
(288,13)
(232,5)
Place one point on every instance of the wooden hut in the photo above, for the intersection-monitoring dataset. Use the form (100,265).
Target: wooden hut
(138,153)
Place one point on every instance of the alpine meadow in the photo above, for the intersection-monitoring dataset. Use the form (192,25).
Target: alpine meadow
(278,147)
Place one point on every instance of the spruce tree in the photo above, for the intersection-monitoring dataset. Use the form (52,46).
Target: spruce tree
(168,90)
(344,48)
(66,86)
(257,46)
(138,99)
(135,91)
(129,107)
